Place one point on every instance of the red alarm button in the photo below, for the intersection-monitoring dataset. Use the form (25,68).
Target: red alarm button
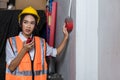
(69,24)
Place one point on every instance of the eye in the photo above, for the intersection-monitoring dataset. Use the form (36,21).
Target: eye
(25,22)
(33,23)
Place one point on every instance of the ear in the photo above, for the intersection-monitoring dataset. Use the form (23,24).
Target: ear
(19,22)
(20,25)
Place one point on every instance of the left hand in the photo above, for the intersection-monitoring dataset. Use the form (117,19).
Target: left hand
(64,41)
(66,35)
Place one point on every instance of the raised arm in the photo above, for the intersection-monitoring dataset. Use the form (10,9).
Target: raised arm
(64,41)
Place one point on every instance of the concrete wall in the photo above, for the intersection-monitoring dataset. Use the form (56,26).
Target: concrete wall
(83,40)
(94,40)
(80,58)
(109,40)
(86,39)
(66,61)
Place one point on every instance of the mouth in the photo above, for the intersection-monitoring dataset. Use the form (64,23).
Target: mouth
(27,30)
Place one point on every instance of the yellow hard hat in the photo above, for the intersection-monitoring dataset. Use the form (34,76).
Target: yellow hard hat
(29,10)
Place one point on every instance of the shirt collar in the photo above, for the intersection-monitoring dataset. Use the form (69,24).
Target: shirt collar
(22,37)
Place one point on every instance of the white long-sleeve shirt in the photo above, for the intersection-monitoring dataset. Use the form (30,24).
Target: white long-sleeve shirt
(10,55)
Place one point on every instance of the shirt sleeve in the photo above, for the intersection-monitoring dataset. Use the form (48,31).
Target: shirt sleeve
(51,51)
(9,53)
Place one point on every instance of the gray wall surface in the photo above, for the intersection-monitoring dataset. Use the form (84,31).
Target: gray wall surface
(86,39)
(109,40)
(66,61)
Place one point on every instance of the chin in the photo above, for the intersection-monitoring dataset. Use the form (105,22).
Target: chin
(28,34)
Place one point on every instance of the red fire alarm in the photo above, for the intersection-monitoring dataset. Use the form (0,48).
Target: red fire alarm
(69,23)
(69,20)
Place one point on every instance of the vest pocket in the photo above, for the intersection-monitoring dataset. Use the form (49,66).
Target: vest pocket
(37,66)
(25,66)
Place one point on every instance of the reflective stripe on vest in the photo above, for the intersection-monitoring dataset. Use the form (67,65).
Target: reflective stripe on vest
(12,42)
(26,73)
(42,44)
(40,50)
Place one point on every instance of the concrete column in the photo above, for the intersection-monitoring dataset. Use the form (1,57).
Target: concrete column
(86,40)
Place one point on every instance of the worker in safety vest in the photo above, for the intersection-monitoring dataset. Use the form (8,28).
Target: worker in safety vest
(25,53)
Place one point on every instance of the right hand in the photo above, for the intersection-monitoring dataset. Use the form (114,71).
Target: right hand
(28,46)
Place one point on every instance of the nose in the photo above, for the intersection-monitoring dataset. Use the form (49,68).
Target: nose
(29,24)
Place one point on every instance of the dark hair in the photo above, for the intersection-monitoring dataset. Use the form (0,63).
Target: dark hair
(23,15)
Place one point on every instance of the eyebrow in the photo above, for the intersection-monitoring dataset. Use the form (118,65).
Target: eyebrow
(28,21)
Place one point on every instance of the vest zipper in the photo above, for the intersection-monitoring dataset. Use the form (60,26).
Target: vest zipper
(32,66)
(32,63)
(32,70)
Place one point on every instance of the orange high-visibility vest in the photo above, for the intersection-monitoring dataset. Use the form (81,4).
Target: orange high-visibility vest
(27,69)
